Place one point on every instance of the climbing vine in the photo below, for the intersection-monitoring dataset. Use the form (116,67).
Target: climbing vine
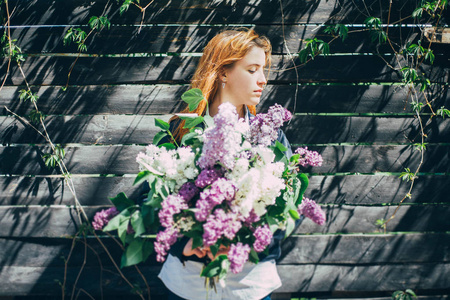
(409,57)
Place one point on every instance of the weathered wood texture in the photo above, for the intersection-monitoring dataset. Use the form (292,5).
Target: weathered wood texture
(59,221)
(344,189)
(165,98)
(118,159)
(134,129)
(351,107)
(43,70)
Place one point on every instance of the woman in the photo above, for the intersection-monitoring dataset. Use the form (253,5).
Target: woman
(230,70)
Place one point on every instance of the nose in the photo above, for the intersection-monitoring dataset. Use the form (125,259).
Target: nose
(262,79)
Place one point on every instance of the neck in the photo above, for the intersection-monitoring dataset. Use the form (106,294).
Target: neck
(214,107)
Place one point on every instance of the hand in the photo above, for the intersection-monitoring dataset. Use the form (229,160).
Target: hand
(188,251)
(222,250)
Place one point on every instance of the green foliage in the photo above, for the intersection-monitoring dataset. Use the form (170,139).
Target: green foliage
(51,160)
(313,48)
(418,52)
(27,95)
(98,23)
(76,35)
(377,34)
(35,116)
(407,175)
(443,112)
(218,267)
(10,49)
(420,146)
(417,106)
(192,97)
(430,7)
(404,295)
(126,4)
(340,30)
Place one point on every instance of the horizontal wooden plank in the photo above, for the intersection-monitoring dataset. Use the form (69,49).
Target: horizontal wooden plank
(305,279)
(352,189)
(164,99)
(140,129)
(43,70)
(116,159)
(212,12)
(161,39)
(62,221)
(296,250)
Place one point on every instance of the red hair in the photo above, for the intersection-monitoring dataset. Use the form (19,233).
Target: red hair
(222,51)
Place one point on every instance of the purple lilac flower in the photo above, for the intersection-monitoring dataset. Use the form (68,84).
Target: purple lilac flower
(238,255)
(308,157)
(264,127)
(263,237)
(172,205)
(221,141)
(220,224)
(310,209)
(252,218)
(188,191)
(102,217)
(165,239)
(207,177)
(221,190)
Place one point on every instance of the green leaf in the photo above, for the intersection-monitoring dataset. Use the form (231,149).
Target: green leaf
(290,226)
(192,97)
(162,124)
(280,146)
(114,223)
(215,267)
(294,214)
(121,201)
(197,241)
(253,257)
(191,122)
(137,222)
(122,230)
(133,254)
(147,249)
(168,146)
(273,223)
(304,185)
(214,249)
(142,176)
(159,136)
(148,214)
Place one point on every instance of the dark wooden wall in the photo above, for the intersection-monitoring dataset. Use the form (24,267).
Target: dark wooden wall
(351,107)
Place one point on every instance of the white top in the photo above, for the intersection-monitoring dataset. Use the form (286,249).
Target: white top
(254,282)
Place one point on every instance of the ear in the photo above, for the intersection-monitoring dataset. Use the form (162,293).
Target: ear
(223,75)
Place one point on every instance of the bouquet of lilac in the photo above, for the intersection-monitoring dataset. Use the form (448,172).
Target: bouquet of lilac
(230,185)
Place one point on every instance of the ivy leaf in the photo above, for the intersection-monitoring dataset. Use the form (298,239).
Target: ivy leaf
(133,254)
(121,201)
(192,97)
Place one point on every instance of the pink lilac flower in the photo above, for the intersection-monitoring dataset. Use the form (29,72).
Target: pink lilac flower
(264,127)
(172,205)
(102,218)
(220,224)
(221,143)
(308,157)
(237,256)
(221,190)
(165,239)
(207,177)
(252,218)
(188,191)
(310,209)
(263,237)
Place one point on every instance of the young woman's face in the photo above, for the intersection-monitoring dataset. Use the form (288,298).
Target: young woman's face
(245,80)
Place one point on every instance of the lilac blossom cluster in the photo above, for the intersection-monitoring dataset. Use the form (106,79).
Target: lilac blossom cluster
(102,218)
(220,224)
(308,157)
(263,237)
(264,127)
(310,209)
(237,256)
(165,239)
(221,189)
(222,142)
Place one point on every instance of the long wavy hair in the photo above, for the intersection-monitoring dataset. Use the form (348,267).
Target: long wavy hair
(221,52)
